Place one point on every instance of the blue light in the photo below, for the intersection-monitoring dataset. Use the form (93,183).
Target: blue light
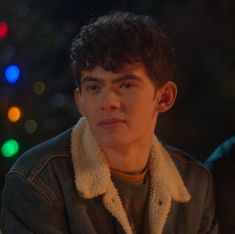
(12,73)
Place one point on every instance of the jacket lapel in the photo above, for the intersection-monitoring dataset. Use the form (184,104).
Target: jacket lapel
(166,185)
(92,174)
(93,178)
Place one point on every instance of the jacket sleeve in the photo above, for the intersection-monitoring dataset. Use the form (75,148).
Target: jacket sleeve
(209,224)
(27,209)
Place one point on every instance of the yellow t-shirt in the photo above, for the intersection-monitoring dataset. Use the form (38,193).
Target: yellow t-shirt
(137,179)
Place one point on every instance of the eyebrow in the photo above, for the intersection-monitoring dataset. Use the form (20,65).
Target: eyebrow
(116,80)
(91,78)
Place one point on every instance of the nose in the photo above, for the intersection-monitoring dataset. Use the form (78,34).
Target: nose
(110,101)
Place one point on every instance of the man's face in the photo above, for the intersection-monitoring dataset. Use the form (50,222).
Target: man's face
(121,108)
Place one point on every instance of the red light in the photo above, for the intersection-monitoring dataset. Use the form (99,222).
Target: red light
(3,30)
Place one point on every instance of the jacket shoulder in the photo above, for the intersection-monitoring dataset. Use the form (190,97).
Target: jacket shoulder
(36,158)
(196,177)
(186,162)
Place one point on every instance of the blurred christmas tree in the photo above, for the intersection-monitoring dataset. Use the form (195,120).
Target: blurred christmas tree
(39,46)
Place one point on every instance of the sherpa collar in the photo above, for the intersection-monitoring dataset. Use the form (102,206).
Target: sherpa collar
(93,178)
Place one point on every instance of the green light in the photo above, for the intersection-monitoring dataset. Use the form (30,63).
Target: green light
(10,148)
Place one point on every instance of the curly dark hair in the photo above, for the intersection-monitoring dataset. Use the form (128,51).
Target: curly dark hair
(118,38)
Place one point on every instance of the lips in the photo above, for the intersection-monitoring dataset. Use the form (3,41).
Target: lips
(110,123)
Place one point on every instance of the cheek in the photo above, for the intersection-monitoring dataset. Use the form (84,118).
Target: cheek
(146,116)
(142,106)
(86,110)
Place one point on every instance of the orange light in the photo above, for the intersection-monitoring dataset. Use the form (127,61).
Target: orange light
(14,113)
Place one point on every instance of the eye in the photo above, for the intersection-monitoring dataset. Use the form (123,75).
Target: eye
(127,85)
(93,88)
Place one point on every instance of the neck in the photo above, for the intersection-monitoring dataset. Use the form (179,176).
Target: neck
(131,160)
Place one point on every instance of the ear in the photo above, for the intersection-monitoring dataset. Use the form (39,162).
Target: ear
(167,96)
(79,101)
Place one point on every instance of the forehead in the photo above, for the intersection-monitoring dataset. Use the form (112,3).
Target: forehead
(136,69)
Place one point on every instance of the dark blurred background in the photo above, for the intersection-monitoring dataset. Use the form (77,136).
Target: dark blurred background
(35,37)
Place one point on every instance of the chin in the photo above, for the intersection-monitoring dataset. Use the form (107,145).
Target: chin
(111,142)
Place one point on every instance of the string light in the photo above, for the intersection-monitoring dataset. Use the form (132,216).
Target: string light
(10,148)
(39,87)
(14,113)
(3,30)
(57,100)
(30,126)
(12,73)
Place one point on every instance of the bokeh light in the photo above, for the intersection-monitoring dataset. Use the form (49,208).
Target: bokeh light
(10,148)
(30,126)
(39,87)
(3,30)
(12,73)
(14,113)
(57,100)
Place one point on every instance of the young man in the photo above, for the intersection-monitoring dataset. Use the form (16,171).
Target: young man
(109,173)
